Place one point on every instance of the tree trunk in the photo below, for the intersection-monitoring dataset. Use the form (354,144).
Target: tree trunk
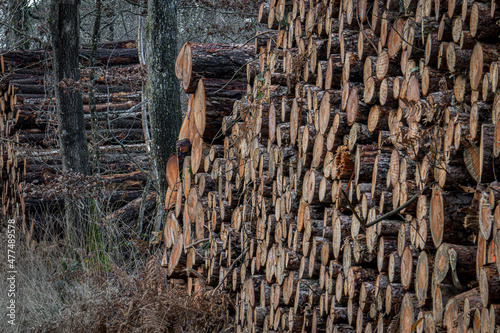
(18,12)
(65,29)
(92,103)
(162,87)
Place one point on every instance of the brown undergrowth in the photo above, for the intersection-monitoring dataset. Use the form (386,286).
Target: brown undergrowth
(58,294)
(121,302)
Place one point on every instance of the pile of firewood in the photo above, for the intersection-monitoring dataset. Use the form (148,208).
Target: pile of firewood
(352,110)
(29,126)
(353,187)
(10,173)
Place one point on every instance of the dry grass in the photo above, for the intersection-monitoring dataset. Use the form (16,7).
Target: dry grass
(116,288)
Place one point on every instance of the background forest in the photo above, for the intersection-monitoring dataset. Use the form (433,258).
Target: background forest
(112,281)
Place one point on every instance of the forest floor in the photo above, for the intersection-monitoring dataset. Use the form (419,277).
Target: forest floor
(120,287)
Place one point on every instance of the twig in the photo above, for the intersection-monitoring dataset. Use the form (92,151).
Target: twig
(12,141)
(363,31)
(257,35)
(237,71)
(142,208)
(351,207)
(196,243)
(397,210)
(229,270)
(130,156)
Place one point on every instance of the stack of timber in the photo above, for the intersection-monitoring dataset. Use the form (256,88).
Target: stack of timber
(10,173)
(30,152)
(353,187)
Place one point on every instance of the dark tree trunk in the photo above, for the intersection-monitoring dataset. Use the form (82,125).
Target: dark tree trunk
(163,86)
(19,24)
(65,30)
(92,102)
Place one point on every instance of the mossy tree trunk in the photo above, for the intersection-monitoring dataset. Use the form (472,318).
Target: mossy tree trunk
(162,87)
(65,28)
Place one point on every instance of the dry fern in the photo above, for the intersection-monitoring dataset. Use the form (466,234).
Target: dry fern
(144,303)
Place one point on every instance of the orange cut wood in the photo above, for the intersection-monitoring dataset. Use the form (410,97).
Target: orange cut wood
(172,171)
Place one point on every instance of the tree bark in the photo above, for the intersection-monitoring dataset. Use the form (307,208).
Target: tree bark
(18,13)
(92,103)
(162,87)
(65,30)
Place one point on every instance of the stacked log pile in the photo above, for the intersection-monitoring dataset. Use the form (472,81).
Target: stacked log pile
(9,168)
(30,151)
(353,187)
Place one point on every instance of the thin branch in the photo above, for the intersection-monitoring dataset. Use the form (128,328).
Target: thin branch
(145,174)
(229,270)
(136,3)
(351,207)
(12,141)
(237,71)
(218,11)
(196,243)
(400,208)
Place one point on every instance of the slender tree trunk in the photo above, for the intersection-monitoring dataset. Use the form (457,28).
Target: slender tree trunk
(112,25)
(92,104)
(162,87)
(65,30)
(19,24)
